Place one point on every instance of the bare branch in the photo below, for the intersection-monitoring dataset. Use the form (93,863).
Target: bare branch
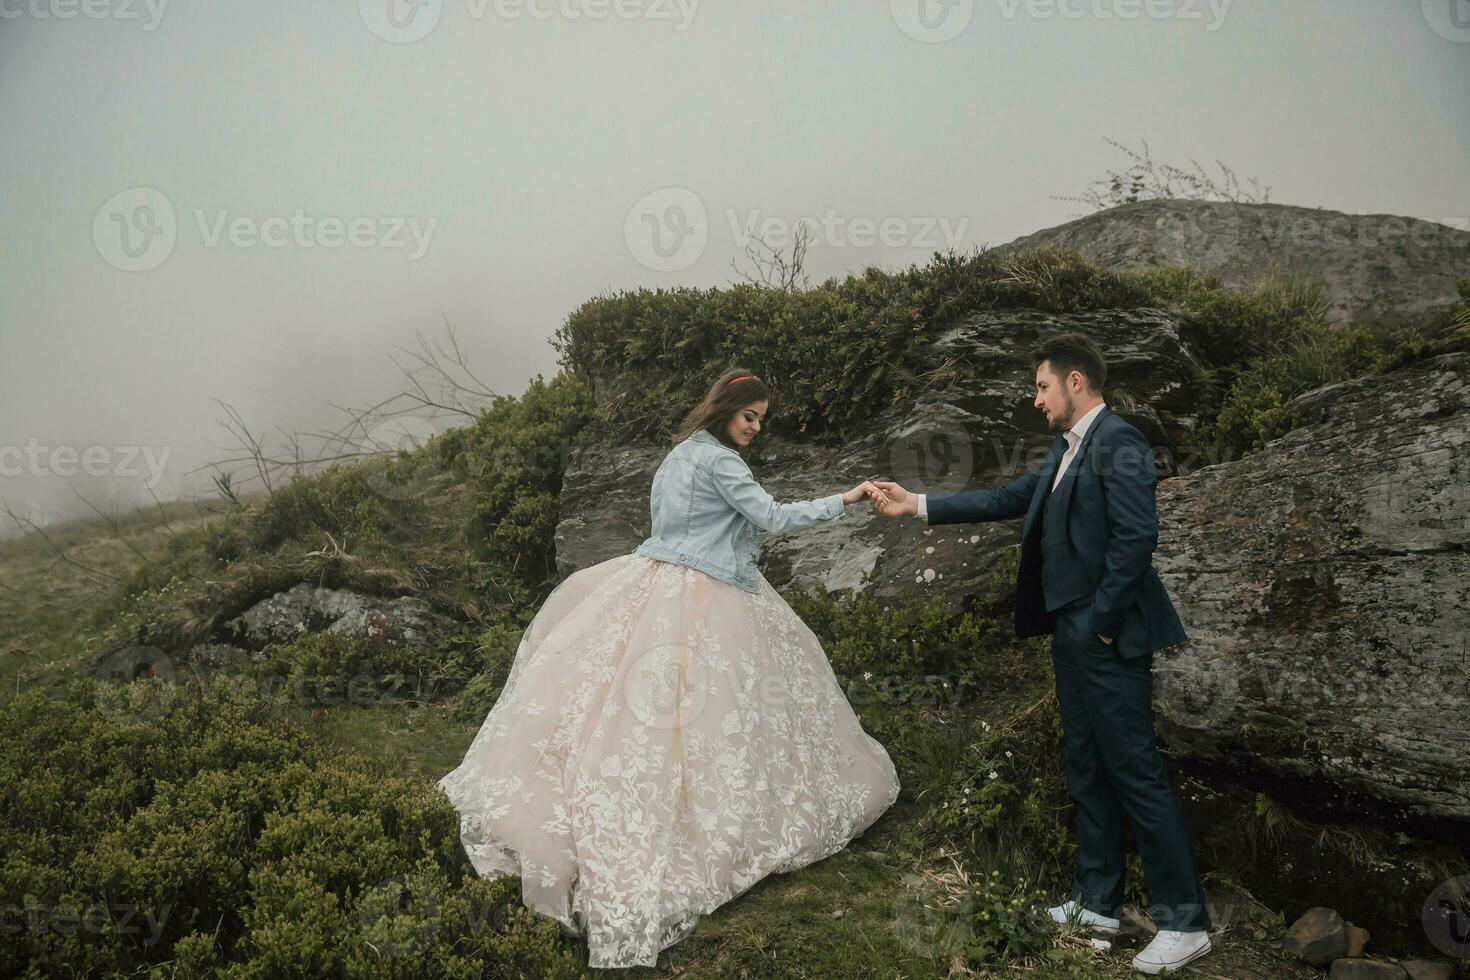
(438,384)
(162,526)
(773,269)
(1146,180)
(111,522)
(60,553)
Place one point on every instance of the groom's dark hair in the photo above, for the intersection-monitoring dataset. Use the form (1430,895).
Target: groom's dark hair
(1070,352)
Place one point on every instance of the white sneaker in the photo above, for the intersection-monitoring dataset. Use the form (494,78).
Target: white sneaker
(1171,951)
(1070,911)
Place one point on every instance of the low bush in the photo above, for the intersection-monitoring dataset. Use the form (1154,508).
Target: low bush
(199,833)
(833,354)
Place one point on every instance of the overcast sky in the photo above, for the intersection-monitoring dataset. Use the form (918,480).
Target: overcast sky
(258,202)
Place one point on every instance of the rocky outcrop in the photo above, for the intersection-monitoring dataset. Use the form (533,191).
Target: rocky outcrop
(1323,580)
(308,608)
(604,503)
(973,425)
(1322,938)
(1325,585)
(1372,266)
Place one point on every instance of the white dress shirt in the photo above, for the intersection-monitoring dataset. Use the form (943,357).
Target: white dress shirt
(1074,439)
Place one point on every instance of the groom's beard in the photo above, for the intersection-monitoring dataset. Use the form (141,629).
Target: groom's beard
(1063,423)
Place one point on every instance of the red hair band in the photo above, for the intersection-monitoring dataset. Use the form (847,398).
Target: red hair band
(741,378)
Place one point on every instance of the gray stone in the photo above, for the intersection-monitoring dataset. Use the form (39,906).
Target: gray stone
(1358,969)
(604,503)
(308,608)
(1228,902)
(1325,586)
(1135,922)
(1428,969)
(1357,940)
(1372,266)
(1318,937)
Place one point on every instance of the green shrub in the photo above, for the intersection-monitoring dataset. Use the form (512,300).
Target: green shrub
(838,353)
(225,540)
(341,501)
(834,354)
(514,458)
(1256,410)
(1006,798)
(498,645)
(203,834)
(1229,330)
(328,668)
(913,664)
(914,639)
(1008,920)
(911,637)
(1265,347)
(469,520)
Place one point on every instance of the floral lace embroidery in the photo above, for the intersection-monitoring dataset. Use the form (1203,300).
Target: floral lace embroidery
(664,740)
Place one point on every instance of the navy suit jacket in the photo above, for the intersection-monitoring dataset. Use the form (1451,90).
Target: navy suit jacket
(1107,506)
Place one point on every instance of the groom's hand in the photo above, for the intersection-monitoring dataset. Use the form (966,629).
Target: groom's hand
(896,501)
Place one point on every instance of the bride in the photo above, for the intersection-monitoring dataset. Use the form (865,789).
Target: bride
(671,732)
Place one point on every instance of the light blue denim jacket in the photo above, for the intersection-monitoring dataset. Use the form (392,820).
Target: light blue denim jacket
(706,506)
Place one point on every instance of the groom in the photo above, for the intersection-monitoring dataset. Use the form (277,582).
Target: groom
(1087,578)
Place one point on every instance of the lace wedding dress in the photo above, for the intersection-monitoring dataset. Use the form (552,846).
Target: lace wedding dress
(664,741)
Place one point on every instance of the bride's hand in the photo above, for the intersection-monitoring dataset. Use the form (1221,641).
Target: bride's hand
(892,500)
(863,490)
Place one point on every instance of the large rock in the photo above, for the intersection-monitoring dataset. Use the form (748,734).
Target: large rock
(1318,937)
(1361,969)
(1373,266)
(1323,580)
(604,503)
(1358,938)
(973,426)
(308,608)
(1325,587)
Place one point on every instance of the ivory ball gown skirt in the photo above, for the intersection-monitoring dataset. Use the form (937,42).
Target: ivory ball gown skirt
(664,741)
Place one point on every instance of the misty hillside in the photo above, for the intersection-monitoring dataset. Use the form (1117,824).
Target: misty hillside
(233,719)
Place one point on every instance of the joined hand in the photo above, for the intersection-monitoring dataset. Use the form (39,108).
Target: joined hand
(892,500)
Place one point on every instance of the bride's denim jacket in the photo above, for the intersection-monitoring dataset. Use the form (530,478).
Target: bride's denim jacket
(705,507)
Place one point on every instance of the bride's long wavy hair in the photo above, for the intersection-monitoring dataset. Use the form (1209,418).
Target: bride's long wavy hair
(723,400)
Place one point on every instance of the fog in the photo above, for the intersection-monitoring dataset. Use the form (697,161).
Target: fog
(257,203)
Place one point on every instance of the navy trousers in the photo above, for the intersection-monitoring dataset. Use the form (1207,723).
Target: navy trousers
(1114,768)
